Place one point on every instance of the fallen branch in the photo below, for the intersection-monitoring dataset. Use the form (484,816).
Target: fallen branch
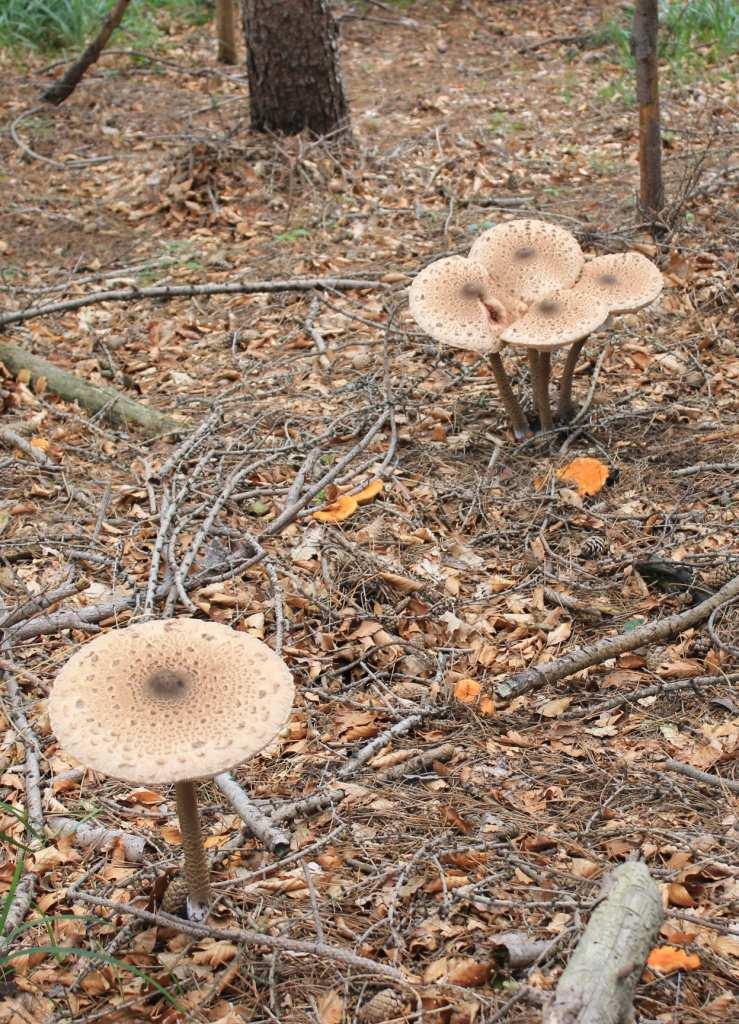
(699,776)
(248,937)
(275,839)
(59,91)
(18,909)
(371,748)
(598,983)
(173,291)
(611,647)
(98,837)
(114,406)
(707,467)
(696,684)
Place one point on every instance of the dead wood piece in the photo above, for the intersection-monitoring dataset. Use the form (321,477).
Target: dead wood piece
(611,647)
(97,837)
(597,986)
(276,840)
(11,439)
(114,406)
(699,776)
(515,950)
(572,604)
(59,91)
(308,805)
(18,909)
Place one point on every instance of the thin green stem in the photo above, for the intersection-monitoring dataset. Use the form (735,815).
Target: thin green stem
(197,873)
(520,424)
(540,363)
(565,408)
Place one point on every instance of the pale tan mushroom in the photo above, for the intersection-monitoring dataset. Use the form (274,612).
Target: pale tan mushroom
(625,282)
(551,323)
(172,701)
(529,258)
(454,301)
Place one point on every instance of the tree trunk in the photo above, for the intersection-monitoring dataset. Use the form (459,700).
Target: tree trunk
(644,48)
(226,32)
(59,91)
(293,68)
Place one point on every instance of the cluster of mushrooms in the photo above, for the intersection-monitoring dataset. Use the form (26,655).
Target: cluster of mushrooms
(526,284)
(172,701)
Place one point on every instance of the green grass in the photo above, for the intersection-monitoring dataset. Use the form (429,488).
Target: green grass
(51,26)
(692,34)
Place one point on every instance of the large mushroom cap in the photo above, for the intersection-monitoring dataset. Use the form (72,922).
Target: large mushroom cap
(624,281)
(453,301)
(170,701)
(530,258)
(558,320)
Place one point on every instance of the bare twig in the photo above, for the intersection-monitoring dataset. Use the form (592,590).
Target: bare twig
(275,839)
(699,776)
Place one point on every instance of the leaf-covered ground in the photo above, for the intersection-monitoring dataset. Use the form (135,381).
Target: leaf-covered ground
(475,560)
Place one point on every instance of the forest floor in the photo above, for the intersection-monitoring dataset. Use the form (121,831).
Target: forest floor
(474,561)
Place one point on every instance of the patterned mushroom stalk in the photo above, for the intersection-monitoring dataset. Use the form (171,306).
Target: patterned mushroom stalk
(172,701)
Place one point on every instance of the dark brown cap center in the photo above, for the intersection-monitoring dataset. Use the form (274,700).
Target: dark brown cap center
(607,279)
(166,684)
(526,252)
(548,307)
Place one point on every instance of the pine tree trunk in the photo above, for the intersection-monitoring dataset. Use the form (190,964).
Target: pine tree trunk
(226,32)
(293,68)
(644,47)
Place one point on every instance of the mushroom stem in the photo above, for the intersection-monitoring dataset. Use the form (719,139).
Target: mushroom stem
(540,363)
(197,874)
(520,424)
(565,408)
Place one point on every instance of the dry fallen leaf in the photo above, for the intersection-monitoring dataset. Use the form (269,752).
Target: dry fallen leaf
(670,958)
(586,473)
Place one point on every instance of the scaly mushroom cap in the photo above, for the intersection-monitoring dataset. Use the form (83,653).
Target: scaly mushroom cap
(624,281)
(529,258)
(558,320)
(453,301)
(170,701)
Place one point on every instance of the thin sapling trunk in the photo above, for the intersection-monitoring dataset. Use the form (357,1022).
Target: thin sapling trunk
(520,424)
(226,32)
(565,407)
(540,364)
(197,873)
(644,47)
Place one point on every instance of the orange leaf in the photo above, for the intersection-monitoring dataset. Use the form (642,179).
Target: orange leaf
(487,706)
(588,474)
(679,896)
(669,958)
(373,488)
(467,690)
(344,506)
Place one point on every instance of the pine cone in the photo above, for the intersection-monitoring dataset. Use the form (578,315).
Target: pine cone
(384,1005)
(174,900)
(700,646)
(718,578)
(654,658)
(593,547)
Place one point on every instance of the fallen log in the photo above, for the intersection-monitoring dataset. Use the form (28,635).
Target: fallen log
(597,986)
(111,404)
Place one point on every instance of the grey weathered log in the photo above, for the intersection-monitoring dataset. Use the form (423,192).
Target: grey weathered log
(113,406)
(98,837)
(611,647)
(597,986)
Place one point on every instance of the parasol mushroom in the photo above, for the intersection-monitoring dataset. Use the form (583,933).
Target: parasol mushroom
(455,302)
(172,701)
(625,282)
(562,318)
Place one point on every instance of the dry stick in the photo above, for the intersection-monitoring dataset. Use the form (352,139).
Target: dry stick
(696,683)
(274,839)
(520,424)
(371,748)
(611,647)
(720,644)
(707,467)
(248,937)
(565,408)
(22,900)
(111,404)
(172,291)
(599,981)
(540,365)
(585,407)
(97,837)
(59,91)
(41,603)
(699,776)
(211,421)
(316,337)
(11,439)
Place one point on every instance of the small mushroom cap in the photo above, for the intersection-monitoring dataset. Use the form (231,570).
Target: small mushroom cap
(556,321)
(530,258)
(453,301)
(624,281)
(170,701)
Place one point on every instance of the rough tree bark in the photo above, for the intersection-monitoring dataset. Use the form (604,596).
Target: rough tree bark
(597,986)
(293,68)
(644,48)
(226,32)
(59,91)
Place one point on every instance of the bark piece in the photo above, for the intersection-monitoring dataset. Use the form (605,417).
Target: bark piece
(114,406)
(59,91)
(597,986)
(293,68)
